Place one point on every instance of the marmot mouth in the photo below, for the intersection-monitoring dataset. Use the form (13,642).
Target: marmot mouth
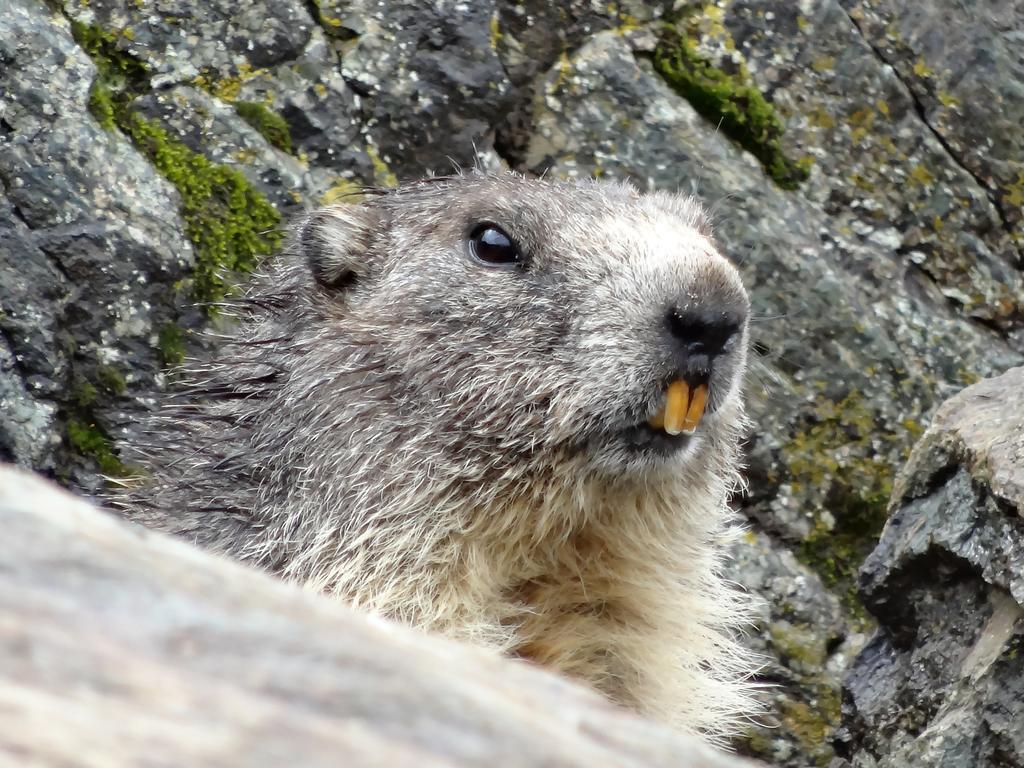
(672,427)
(683,408)
(643,438)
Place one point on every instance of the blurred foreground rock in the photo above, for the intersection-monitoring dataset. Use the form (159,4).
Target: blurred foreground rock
(942,683)
(122,647)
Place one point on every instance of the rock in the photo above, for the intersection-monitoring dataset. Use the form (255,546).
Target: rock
(837,311)
(880,166)
(805,639)
(530,37)
(273,56)
(219,132)
(428,76)
(941,683)
(216,40)
(964,71)
(321,110)
(90,249)
(27,433)
(137,649)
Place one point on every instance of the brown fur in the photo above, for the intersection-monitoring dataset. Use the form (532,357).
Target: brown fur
(441,442)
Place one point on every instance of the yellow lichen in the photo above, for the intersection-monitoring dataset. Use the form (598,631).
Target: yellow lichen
(495,31)
(820,118)
(382,173)
(861,121)
(342,191)
(920,176)
(1015,191)
(823,64)
(921,69)
(228,88)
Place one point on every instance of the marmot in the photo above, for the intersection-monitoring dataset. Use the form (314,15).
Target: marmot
(502,409)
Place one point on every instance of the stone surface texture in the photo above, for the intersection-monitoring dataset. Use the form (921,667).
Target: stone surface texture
(941,683)
(148,148)
(123,647)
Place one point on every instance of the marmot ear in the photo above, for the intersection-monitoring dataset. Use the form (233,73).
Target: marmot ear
(335,240)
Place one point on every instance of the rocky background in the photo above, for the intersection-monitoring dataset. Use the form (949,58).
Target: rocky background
(865,162)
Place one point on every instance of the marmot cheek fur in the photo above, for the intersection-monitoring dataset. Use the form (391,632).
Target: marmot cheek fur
(439,408)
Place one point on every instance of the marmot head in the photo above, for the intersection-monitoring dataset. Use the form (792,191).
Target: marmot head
(493,323)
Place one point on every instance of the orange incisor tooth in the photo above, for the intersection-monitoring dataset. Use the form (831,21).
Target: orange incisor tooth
(696,410)
(676,406)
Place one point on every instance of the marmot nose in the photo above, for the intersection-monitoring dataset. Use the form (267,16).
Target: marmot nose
(701,336)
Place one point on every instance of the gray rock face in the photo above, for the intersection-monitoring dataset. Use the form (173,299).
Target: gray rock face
(941,683)
(804,638)
(181,40)
(885,281)
(885,165)
(428,76)
(964,72)
(90,248)
(214,129)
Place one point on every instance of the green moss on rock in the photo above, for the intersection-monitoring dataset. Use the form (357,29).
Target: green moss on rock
(726,100)
(111,380)
(83,393)
(837,454)
(228,221)
(87,439)
(808,717)
(801,645)
(90,383)
(807,701)
(101,105)
(117,71)
(265,120)
(171,346)
(812,726)
(117,67)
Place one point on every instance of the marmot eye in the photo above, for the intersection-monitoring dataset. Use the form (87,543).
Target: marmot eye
(492,246)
